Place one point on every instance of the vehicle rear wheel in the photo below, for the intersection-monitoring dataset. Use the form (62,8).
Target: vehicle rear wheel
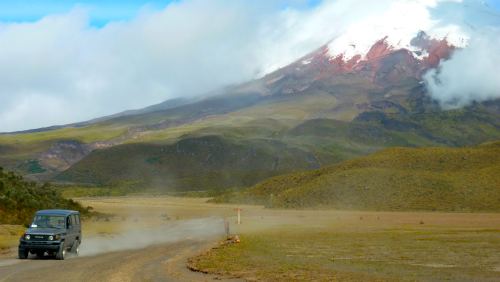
(75,249)
(23,254)
(61,254)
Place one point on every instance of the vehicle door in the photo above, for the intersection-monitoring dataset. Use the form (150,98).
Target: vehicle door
(70,231)
(78,227)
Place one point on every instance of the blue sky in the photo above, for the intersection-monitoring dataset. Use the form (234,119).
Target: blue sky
(103,11)
(495,4)
(100,11)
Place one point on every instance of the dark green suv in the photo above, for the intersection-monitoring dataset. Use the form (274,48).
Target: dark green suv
(53,232)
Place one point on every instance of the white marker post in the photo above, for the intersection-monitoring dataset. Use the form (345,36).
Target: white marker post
(226,228)
(239,215)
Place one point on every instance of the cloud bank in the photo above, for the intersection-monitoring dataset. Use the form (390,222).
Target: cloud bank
(61,69)
(471,75)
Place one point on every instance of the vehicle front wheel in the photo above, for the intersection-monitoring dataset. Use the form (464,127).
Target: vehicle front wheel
(23,254)
(61,254)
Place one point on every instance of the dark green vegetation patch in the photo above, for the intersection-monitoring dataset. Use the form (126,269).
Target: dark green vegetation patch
(32,167)
(191,164)
(19,199)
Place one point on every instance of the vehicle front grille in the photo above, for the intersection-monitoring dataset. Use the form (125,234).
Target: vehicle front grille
(37,237)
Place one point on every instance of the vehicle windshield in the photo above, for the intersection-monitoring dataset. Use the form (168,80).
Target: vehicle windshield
(48,221)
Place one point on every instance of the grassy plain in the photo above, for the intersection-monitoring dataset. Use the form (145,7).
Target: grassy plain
(329,245)
(326,244)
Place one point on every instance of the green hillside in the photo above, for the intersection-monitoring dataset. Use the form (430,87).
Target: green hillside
(19,199)
(434,179)
(323,124)
(191,164)
(218,155)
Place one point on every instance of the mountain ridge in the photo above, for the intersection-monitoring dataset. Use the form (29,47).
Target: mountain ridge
(376,102)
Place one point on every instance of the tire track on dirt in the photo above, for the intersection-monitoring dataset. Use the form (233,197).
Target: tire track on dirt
(138,254)
(165,262)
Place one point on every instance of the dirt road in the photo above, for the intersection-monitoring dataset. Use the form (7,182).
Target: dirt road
(140,239)
(164,262)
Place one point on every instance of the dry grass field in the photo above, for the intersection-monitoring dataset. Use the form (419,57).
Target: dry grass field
(327,244)
(349,245)
(135,212)
(319,244)
(9,235)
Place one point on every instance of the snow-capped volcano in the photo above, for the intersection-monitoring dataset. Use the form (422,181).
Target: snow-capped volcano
(398,26)
(386,61)
(388,42)
(420,45)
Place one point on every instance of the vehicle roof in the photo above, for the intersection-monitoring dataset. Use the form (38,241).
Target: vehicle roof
(57,212)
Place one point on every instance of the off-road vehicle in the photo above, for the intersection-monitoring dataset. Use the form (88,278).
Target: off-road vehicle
(53,232)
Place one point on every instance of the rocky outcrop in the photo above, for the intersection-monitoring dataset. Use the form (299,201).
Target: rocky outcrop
(62,154)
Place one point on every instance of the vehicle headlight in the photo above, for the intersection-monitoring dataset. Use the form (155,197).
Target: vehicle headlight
(51,238)
(27,236)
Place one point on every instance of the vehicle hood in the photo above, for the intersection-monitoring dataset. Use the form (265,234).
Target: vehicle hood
(45,231)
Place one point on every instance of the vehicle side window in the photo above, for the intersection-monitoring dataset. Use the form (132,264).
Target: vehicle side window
(75,220)
(77,217)
(68,222)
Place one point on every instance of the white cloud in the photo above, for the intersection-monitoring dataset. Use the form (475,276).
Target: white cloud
(471,75)
(60,69)
(399,21)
